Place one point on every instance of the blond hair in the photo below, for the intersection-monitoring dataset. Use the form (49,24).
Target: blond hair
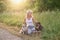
(29,11)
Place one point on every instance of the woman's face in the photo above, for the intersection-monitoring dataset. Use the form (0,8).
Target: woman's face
(29,14)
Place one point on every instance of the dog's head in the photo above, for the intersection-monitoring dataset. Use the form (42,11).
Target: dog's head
(38,24)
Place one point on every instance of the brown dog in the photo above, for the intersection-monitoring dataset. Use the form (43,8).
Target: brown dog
(38,26)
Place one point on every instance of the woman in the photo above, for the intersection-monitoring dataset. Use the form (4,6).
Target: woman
(29,22)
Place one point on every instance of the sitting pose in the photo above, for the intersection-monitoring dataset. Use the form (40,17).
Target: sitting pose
(38,26)
(29,22)
(23,29)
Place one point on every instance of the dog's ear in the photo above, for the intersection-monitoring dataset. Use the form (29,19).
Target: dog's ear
(37,23)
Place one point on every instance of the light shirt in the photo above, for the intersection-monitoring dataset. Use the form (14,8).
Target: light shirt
(29,22)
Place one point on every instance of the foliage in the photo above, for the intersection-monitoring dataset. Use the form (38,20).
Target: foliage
(11,19)
(44,5)
(51,24)
(2,6)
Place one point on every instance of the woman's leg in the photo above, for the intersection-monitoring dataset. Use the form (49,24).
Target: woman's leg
(31,29)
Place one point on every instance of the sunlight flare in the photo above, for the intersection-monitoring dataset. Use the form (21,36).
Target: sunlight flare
(17,4)
(17,1)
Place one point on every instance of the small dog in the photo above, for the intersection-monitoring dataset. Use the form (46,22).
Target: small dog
(38,26)
(23,29)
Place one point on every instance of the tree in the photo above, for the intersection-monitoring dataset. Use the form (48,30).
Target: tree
(44,5)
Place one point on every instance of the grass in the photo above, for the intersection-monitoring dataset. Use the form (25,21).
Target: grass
(11,19)
(51,24)
(50,20)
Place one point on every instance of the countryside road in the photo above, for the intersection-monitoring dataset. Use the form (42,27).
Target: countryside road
(5,35)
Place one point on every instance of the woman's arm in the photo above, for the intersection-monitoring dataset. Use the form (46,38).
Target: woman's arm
(24,21)
(34,21)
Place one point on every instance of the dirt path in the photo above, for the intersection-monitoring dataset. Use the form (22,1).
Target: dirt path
(5,35)
(12,33)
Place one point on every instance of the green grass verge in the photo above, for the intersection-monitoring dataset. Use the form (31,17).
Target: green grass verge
(51,24)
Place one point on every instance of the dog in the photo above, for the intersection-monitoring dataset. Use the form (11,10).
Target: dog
(38,27)
(23,29)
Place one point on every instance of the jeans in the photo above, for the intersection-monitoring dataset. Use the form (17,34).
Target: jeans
(31,29)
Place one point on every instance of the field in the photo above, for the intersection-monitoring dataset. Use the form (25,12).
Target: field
(50,21)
